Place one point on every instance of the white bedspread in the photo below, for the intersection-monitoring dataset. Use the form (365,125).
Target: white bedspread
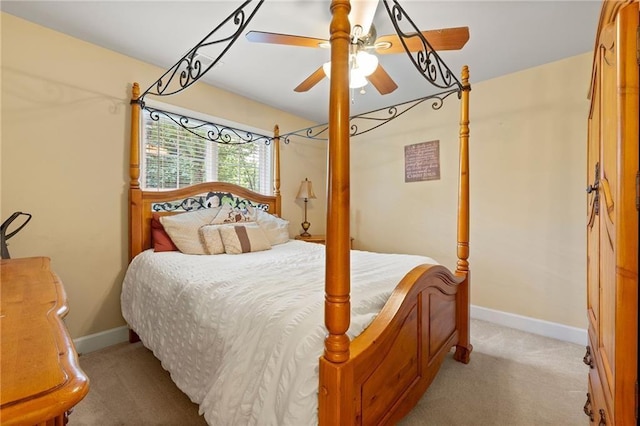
(241,335)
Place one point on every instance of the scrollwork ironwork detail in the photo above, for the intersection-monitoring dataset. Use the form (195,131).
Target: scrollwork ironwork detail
(205,201)
(187,205)
(190,67)
(211,131)
(427,61)
(371,120)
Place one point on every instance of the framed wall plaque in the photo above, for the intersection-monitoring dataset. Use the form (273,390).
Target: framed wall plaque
(422,161)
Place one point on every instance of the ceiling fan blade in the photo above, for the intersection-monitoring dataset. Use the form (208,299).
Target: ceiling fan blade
(362,13)
(444,39)
(289,40)
(382,81)
(311,81)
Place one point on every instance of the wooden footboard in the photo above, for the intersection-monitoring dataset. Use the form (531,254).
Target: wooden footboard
(379,376)
(395,359)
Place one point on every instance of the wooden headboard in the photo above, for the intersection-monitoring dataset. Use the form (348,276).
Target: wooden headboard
(141,202)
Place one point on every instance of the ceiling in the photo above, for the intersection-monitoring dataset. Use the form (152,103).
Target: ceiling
(505,36)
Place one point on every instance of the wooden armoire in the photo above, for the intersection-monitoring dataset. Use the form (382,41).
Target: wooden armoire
(612,219)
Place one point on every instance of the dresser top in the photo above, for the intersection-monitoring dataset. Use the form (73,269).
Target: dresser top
(38,361)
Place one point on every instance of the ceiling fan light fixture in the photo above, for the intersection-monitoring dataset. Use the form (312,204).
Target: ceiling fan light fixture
(356,78)
(366,62)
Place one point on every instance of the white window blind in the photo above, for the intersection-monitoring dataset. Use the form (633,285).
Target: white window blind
(174,157)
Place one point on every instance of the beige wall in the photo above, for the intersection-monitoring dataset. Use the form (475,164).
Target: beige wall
(65,127)
(64,159)
(528,156)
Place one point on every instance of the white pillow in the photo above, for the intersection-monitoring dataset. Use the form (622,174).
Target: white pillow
(276,229)
(210,236)
(228,214)
(243,238)
(184,229)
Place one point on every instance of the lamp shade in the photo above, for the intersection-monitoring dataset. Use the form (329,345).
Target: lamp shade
(306,190)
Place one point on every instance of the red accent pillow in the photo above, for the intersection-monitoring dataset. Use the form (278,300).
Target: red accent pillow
(159,237)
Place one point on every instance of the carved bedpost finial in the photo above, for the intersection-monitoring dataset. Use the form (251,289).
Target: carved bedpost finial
(465,78)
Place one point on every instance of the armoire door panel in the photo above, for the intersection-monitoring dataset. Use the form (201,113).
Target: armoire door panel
(612,228)
(608,167)
(593,212)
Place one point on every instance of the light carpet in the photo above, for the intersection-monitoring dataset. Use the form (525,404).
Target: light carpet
(514,379)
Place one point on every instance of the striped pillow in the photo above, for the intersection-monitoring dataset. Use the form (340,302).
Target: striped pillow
(244,238)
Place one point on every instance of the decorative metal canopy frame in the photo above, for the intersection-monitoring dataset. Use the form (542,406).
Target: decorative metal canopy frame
(191,67)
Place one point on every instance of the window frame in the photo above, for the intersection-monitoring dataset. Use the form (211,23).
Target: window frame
(266,187)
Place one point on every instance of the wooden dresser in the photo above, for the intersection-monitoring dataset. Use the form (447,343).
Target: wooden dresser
(612,219)
(40,377)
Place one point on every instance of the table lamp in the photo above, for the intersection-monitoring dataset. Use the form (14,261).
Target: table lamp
(305,192)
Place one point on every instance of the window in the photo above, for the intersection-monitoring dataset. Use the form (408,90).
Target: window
(174,157)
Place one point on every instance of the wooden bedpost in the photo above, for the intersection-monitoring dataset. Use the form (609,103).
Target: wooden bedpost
(336,379)
(276,169)
(463,348)
(135,195)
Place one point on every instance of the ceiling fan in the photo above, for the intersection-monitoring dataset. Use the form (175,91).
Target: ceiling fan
(364,65)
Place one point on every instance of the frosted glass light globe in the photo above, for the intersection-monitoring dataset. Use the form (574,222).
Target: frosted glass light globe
(356,77)
(367,63)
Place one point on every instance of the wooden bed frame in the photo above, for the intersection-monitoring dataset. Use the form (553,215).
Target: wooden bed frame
(379,376)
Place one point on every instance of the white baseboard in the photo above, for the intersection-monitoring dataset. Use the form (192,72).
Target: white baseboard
(97,341)
(101,340)
(531,325)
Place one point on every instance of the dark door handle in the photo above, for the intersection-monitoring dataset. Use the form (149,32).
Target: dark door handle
(595,187)
(603,420)
(587,359)
(587,407)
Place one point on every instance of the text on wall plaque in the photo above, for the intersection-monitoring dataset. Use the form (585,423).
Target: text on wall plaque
(422,161)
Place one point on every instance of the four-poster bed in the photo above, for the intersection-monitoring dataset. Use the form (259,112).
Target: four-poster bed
(371,375)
